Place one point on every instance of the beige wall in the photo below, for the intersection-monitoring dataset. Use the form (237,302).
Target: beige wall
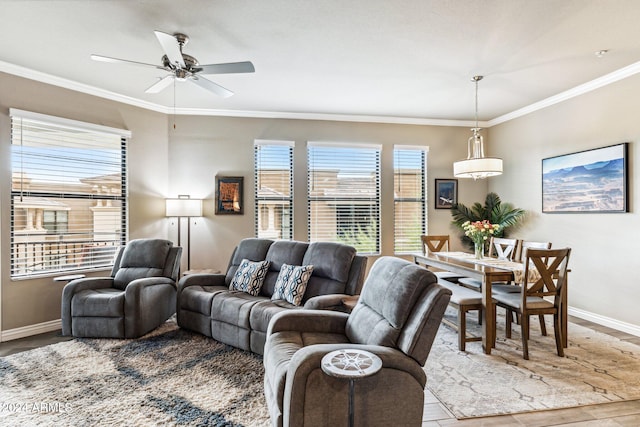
(29,302)
(602,284)
(164,162)
(202,147)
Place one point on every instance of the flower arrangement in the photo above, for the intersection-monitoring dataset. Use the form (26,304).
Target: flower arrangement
(479,231)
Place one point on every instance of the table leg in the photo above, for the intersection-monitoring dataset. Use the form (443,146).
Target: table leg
(488,326)
(564,316)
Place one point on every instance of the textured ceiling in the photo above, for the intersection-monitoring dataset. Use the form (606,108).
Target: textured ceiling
(396,59)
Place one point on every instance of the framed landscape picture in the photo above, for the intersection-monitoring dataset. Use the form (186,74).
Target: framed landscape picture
(446,193)
(229,195)
(587,181)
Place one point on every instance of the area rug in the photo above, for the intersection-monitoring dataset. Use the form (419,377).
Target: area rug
(170,377)
(598,368)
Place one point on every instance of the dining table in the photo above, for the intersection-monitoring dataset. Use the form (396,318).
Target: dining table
(487,270)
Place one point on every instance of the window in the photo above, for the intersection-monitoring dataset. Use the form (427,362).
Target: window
(410,212)
(344,195)
(68,194)
(274,189)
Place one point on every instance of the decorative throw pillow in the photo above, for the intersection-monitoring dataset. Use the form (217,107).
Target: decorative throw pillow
(292,282)
(249,276)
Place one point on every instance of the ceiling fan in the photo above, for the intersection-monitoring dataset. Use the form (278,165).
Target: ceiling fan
(183,67)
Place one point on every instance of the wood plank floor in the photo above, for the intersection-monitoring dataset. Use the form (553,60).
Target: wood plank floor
(626,414)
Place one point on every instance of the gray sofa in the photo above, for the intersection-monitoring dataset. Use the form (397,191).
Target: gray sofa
(206,305)
(396,318)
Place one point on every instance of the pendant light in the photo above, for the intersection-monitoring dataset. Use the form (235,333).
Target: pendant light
(476,165)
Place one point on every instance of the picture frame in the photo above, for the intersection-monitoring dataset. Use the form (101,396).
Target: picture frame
(229,195)
(589,181)
(446,194)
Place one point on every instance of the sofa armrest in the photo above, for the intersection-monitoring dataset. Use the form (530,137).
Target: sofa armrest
(135,287)
(328,302)
(201,279)
(73,287)
(306,362)
(308,321)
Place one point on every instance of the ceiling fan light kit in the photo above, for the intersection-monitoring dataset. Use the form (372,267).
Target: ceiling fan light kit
(183,67)
(476,165)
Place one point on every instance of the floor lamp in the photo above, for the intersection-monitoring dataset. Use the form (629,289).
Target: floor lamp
(184,207)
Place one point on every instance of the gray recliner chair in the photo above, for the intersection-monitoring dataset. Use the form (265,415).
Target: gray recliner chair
(396,318)
(139,295)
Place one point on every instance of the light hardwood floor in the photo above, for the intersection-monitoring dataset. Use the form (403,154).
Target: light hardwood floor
(615,414)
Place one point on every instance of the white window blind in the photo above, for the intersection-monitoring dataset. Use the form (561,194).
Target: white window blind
(343,188)
(410,208)
(68,194)
(273,172)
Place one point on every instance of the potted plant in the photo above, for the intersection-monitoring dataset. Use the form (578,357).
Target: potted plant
(494,211)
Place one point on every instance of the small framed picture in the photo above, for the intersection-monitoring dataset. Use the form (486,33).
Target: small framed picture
(446,193)
(229,195)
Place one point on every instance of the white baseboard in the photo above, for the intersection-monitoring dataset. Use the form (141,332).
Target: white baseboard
(605,321)
(27,331)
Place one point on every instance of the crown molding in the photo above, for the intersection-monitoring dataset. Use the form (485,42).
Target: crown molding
(323,116)
(113,96)
(78,87)
(605,80)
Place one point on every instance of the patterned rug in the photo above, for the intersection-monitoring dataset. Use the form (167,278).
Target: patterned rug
(598,368)
(172,377)
(169,377)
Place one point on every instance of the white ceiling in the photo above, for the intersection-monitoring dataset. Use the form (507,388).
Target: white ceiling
(391,59)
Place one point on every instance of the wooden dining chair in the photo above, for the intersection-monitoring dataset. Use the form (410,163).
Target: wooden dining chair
(522,248)
(499,247)
(432,243)
(528,244)
(545,275)
(503,248)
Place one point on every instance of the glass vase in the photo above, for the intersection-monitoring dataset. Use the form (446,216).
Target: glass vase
(478,249)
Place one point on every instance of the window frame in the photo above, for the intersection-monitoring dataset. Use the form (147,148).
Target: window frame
(86,254)
(373,199)
(288,218)
(398,221)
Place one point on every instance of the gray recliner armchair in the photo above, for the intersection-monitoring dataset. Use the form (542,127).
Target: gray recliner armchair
(139,295)
(396,318)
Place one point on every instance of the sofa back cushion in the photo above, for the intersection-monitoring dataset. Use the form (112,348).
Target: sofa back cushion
(141,258)
(399,302)
(331,266)
(281,252)
(250,249)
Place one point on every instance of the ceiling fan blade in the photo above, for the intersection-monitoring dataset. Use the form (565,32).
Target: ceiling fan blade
(122,61)
(160,84)
(211,86)
(230,67)
(171,48)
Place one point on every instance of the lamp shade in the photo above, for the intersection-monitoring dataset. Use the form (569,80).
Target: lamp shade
(183,207)
(477,168)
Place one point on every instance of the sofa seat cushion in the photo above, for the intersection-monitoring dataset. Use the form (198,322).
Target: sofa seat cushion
(198,298)
(263,311)
(234,307)
(105,302)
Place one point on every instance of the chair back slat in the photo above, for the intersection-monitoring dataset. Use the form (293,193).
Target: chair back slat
(434,243)
(503,248)
(551,266)
(525,245)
